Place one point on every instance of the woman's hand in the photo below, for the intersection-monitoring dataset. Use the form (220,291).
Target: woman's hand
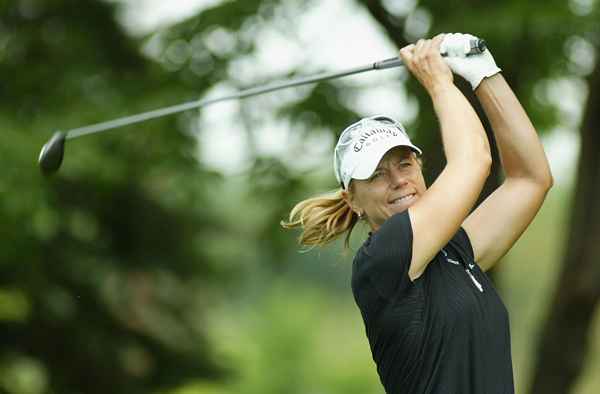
(472,68)
(425,62)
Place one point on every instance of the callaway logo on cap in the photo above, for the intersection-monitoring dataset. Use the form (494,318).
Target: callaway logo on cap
(362,145)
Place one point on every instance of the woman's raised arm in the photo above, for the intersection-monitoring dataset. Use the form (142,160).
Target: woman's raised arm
(438,214)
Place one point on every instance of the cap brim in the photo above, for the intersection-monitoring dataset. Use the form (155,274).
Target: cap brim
(367,166)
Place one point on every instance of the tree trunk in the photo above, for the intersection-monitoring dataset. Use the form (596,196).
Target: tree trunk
(564,340)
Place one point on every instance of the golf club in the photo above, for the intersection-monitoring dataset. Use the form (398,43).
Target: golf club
(52,152)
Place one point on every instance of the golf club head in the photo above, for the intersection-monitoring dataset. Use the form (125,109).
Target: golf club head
(51,155)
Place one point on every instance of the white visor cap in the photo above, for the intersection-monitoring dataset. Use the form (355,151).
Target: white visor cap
(362,145)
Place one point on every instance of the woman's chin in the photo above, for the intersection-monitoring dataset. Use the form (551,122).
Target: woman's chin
(396,210)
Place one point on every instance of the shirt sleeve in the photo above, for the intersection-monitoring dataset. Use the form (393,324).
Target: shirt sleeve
(388,256)
(462,238)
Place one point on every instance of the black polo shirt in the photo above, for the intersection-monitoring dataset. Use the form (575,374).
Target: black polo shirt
(445,333)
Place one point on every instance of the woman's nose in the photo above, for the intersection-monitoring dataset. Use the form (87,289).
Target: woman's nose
(397,178)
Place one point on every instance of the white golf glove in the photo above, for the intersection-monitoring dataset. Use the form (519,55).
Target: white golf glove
(472,68)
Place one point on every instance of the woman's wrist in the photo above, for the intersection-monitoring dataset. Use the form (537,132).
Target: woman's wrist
(439,90)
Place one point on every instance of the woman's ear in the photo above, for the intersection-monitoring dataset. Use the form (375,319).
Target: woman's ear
(350,199)
(347,196)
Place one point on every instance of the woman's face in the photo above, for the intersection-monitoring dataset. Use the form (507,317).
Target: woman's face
(395,185)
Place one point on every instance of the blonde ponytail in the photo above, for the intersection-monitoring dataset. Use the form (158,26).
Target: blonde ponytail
(322,219)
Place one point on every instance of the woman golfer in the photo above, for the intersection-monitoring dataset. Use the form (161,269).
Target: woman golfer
(434,321)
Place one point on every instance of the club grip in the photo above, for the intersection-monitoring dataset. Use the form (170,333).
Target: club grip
(477,46)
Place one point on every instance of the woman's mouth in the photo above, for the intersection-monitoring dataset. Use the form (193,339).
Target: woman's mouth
(403,199)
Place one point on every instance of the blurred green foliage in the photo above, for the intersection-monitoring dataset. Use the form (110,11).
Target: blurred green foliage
(101,258)
(136,269)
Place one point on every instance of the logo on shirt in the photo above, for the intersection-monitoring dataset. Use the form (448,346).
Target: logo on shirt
(467,270)
(448,259)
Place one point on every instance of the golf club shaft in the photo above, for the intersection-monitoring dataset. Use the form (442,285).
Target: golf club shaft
(477,46)
(128,120)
